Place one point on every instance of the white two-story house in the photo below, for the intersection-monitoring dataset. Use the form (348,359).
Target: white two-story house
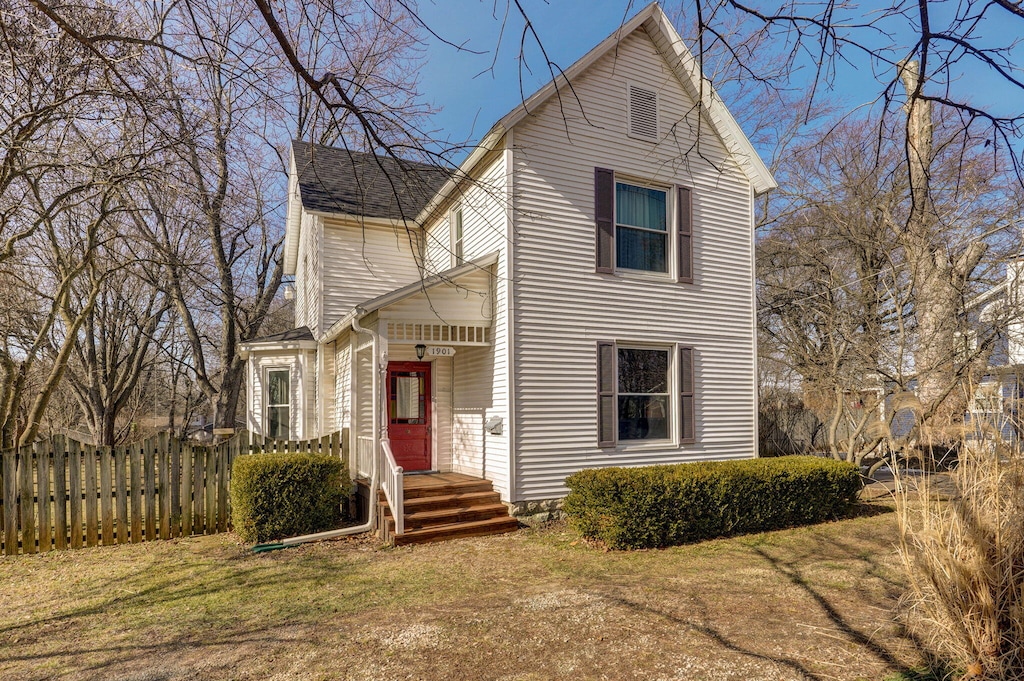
(579,293)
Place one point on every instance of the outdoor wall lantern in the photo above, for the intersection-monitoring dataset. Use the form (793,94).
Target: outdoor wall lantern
(421,349)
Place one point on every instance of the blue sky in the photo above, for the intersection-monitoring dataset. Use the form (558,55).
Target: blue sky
(473,96)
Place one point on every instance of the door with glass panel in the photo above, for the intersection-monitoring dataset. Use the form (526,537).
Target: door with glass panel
(408,388)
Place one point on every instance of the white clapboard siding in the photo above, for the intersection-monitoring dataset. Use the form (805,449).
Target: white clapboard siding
(563,307)
(300,394)
(466,300)
(362,261)
(307,275)
(342,381)
(480,375)
(326,390)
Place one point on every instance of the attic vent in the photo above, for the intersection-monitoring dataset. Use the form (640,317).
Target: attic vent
(643,113)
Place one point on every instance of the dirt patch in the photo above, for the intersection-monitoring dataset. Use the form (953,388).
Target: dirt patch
(810,603)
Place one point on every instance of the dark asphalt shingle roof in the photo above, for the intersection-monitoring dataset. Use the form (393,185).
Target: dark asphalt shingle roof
(334,180)
(300,334)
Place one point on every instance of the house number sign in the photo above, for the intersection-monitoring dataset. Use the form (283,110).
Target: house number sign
(441,351)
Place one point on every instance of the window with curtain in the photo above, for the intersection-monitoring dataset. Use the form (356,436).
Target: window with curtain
(641,228)
(278,403)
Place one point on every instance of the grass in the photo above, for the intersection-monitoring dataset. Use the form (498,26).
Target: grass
(809,603)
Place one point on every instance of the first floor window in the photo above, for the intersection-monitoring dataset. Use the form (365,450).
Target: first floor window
(635,394)
(643,396)
(277,403)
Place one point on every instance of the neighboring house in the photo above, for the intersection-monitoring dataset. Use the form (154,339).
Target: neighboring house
(995,405)
(580,293)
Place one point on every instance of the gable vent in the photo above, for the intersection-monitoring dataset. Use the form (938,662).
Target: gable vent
(643,113)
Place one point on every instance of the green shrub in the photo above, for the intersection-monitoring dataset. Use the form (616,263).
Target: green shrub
(631,508)
(281,495)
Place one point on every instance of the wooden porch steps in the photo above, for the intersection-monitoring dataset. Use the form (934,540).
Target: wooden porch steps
(442,506)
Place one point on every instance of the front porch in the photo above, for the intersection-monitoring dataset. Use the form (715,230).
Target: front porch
(439,506)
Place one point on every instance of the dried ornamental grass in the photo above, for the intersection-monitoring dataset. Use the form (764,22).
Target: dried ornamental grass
(965,561)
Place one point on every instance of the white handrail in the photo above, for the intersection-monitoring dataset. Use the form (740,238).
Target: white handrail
(391,481)
(364,455)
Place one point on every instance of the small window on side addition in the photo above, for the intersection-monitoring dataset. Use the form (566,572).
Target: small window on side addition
(278,399)
(457,236)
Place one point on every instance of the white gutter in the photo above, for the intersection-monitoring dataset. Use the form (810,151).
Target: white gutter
(374,476)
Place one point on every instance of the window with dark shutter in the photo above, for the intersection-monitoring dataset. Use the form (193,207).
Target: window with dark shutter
(684,220)
(604,217)
(606,382)
(687,425)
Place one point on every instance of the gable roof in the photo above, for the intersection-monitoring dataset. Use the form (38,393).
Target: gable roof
(337,180)
(360,184)
(669,43)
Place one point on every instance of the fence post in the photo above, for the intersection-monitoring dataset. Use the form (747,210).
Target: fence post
(187,456)
(91,521)
(149,471)
(75,492)
(60,493)
(175,483)
(106,495)
(43,494)
(135,489)
(163,486)
(10,464)
(121,490)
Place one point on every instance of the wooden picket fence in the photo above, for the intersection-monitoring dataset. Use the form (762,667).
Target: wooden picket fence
(61,494)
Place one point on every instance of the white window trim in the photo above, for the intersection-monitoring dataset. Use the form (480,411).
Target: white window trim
(673,398)
(671,257)
(457,245)
(266,400)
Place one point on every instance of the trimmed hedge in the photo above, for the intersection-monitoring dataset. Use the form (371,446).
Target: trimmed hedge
(280,495)
(655,506)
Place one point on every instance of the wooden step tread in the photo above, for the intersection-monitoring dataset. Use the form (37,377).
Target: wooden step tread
(456,530)
(448,516)
(449,501)
(445,489)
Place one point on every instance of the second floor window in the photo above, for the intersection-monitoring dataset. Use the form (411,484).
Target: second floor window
(641,228)
(457,236)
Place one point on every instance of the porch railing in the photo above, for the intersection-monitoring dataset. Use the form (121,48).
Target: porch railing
(391,481)
(364,456)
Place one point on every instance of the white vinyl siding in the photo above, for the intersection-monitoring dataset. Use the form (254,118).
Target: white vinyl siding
(480,375)
(363,261)
(563,307)
(343,382)
(300,365)
(307,275)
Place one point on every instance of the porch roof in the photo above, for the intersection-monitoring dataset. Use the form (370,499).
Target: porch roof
(292,339)
(417,287)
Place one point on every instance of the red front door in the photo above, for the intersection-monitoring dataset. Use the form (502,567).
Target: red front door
(409,414)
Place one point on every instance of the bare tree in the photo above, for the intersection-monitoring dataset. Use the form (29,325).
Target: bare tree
(841,294)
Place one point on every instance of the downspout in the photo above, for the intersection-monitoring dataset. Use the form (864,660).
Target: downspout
(375,467)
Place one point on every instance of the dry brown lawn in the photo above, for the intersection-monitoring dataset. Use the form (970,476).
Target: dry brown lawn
(809,603)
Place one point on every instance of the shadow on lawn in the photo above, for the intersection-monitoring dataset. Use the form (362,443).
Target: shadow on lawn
(820,549)
(184,593)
